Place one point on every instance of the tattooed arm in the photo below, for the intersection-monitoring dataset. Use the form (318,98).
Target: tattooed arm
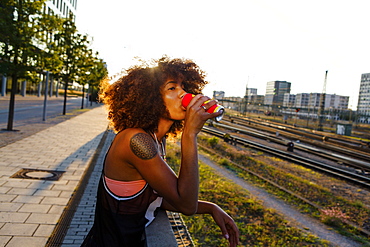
(142,146)
(134,155)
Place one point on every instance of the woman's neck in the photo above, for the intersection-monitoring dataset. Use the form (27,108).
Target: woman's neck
(164,126)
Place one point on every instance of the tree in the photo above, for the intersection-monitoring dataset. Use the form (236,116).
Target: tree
(17,49)
(72,48)
(99,73)
(95,73)
(49,58)
(32,42)
(79,63)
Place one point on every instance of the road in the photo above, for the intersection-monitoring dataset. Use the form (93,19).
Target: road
(31,108)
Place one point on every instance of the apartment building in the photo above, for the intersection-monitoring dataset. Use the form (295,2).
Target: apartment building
(363,105)
(289,100)
(312,100)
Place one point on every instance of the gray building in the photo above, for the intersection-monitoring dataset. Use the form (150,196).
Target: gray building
(219,95)
(275,91)
(250,94)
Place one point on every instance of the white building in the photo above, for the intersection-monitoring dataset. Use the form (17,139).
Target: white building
(302,100)
(363,105)
(336,101)
(312,100)
(289,100)
(61,7)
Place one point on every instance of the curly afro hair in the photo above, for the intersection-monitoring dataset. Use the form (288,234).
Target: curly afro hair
(135,100)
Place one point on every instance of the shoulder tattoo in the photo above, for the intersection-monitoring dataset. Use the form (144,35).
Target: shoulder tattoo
(143,147)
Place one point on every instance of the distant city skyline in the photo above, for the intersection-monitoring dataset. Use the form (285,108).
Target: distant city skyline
(240,43)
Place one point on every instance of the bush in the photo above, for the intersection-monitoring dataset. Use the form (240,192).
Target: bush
(213,141)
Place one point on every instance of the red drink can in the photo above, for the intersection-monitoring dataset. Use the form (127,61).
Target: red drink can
(215,108)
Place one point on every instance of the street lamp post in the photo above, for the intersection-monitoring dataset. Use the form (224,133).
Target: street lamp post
(45,95)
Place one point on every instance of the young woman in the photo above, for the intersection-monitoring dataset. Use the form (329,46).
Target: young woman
(144,108)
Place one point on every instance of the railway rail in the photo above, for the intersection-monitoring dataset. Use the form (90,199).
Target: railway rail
(180,230)
(351,158)
(354,178)
(331,138)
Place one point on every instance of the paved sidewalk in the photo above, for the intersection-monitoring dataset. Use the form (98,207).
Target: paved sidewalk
(83,215)
(31,208)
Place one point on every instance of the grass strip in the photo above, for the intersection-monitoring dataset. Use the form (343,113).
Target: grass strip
(258,226)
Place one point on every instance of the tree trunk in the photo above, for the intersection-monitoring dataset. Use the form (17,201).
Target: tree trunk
(83,96)
(65,98)
(12,102)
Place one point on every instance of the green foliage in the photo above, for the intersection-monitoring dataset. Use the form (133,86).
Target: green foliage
(18,26)
(31,41)
(213,141)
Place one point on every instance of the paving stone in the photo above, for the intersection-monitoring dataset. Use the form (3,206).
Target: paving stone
(17,183)
(31,241)
(7,198)
(13,217)
(28,199)
(44,230)
(39,218)
(4,190)
(40,185)
(4,240)
(46,193)
(67,194)
(18,229)
(55,200)
(64,187)
(34,208)
(21,191)
(10,207)
(56,209)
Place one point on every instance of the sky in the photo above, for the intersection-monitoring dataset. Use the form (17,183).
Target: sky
(239,43)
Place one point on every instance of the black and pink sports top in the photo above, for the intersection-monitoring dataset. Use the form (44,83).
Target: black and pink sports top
(121,217)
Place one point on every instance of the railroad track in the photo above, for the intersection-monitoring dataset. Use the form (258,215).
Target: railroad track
(180,231)
(311,134)
(315,205)
(352,158)
(354,178)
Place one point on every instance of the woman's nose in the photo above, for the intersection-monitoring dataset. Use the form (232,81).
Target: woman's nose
(182,93)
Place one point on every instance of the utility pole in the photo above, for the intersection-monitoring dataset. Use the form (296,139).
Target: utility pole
(322,104)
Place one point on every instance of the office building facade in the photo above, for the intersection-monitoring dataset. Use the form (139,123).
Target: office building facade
(275,91)
(61,8)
